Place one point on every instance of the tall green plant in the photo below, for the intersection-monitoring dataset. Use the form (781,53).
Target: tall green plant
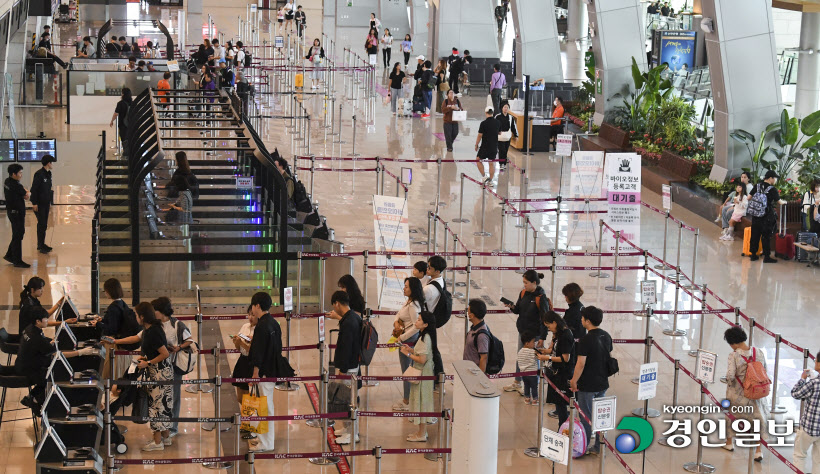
(759,147)
(650,91)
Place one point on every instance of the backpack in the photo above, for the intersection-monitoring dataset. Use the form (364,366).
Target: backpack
(248,59)
(300,197)
(495,354)
(370,338)
(432,81)
(756,384)
(537,298)
(128,326)
(444,307)
(759,203)
(184,361)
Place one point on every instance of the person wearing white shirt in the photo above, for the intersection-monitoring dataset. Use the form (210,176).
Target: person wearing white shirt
(435,267)
(405,330)
(242,368)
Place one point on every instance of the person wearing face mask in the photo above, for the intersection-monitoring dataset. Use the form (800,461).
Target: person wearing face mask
(557,126)
(532,302)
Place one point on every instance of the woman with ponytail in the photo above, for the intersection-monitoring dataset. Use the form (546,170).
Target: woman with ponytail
(532,303)
(30,299)
(421,355)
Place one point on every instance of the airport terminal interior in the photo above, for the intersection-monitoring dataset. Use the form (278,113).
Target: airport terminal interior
(656,163)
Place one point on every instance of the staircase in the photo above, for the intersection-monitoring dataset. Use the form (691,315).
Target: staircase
(232,248)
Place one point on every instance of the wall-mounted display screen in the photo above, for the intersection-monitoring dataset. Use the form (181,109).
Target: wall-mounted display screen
(7,150)
(35,149)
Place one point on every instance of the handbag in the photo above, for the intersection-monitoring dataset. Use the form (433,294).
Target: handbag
(141,399)
(254,405)
(459,115)
(612,366)
(412,372)
(505,136)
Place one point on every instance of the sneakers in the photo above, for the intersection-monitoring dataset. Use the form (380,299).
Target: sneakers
(166,441)
(528,401)
(22,264)
(400,406)
(754,258)
(172,434)
(553,414)
(417,439)
(425,115)
(152,446)
(515,387)
(766,259)
(345,439)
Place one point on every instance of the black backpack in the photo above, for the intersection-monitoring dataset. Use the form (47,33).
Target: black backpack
(300,197)
(128,326)
(370,338)
(248,59)
(432,81)
(444,307)
(495,355)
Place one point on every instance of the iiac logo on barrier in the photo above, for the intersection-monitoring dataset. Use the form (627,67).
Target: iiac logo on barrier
(626,443)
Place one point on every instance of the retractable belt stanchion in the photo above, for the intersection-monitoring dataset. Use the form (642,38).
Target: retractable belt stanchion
(598,273)
(325,461)
(699,466)
(648,315)
(217,395)
(523,269)
(217,428)
(694,352)
(805,366)
(572,409)
(693,285)
(775,408)
(467,295)
(109,456)
(199,387)
(237,425)
(437,203)
(650,412)
(354,418)
(460,217)
(675,331)
(664,441)
(482,232)
(663,265)
(676,276)
(523,194)
(287,386)
(317,423)
(614,286)
(377,452)
(442,435)
(456,284)
(642,311)
(535,451)
(504,227)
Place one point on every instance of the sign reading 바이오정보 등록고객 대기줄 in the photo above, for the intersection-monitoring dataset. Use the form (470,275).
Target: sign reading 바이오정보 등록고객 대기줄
(623,176)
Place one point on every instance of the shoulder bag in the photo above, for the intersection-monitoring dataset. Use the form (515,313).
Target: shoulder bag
(506,136)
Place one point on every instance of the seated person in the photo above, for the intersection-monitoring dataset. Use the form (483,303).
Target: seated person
(35,355)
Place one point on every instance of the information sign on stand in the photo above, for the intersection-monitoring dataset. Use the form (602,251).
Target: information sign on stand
(244,182)
(705,365)
(666,192)
(563,145)
(603,414)
(649,292)
(254,7)
(321,328)
(554,446)
(648,384)
(279,41)
(288,303)
(173,65)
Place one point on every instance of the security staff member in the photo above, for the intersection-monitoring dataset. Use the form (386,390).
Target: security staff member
(34,356)
(16,196)
(41,197)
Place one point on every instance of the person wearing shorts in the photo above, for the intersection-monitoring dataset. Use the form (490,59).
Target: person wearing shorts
(486,143)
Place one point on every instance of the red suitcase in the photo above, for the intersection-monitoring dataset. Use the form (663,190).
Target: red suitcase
(783,243)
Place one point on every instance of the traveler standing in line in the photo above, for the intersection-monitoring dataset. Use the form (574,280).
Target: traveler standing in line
(497,82)
(420,271)
(763,226)
(183,170)
(405,330)
(30,300)
(396,80)
(349,285)
(316,54)
(125,47)
(477,340)
(428,84)
(808,435)
(301,20)
(432,295)
(561,356)
(118,322)
(371,45)
(280,19)
(407,48)
(16,196)
(591,376)
(41,197)
(421,394)
(527,361)
(508,130)
(486,144)
(450,105)
(183,205)
(419,69)
(209,53)
(572,294)
(387,47)
(348,346)
(456,69)
(531,304)
(242,342)
(178,338)
(121,113)
(737,368)
(264,354)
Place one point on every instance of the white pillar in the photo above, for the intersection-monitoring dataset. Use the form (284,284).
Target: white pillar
(807,98)
(577,27)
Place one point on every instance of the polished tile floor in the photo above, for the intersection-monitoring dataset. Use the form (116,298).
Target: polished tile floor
(778,296)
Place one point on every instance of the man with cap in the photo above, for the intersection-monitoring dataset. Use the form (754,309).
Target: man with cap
(419,68)
(763,227)
(456,64)
(16,196)
(41,196)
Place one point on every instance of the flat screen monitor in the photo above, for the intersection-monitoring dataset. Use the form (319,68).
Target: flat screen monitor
(7,150)
(35,149)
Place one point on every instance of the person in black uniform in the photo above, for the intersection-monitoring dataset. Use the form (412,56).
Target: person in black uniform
(16,196)
(34,356)
(29,302)
(41,197)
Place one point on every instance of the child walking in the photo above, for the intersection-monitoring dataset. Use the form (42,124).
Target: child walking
(527,362)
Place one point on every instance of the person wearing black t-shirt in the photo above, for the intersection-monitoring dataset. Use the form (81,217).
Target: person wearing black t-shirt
(561,354)
(16,196)
(764,226)
(29,302)
(396,79)
(591,377)
(121,113)
(572,294)
(486,143)
(41,197)
(263,355)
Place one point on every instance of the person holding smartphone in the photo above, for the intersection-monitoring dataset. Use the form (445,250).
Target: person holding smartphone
(242,368)
(532,303)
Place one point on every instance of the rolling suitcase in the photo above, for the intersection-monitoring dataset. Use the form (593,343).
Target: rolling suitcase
(747,238)
(406,108)
(809,238)
(783,242)
(299,80)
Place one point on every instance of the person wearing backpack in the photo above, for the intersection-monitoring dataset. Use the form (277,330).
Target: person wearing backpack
(477,340)
(429,82)
(590,379)
(747,383)
(763,199)
(348,346)
(808,436)
(532,303)
(179,340)
(438,300)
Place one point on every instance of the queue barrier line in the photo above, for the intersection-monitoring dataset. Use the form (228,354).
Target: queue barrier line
(309,378)
(339,170)
(146,419)
(363,452)
(155,462)
(308,416)
(398,181)
(124,382)
(674,219)
(563,211)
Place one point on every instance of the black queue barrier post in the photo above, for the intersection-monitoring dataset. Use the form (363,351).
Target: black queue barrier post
(523,268)
(368,314)
(199,387)
(642,311)
(316,422)
(645,411)
(109,456)
(441,428)
(287,386)
(324,461)
(460,218)
(354,418)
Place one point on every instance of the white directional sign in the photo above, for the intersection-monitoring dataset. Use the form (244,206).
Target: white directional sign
(288,299)
(705,365)
(648,384)
(554,446)
(603,414)
(649,292)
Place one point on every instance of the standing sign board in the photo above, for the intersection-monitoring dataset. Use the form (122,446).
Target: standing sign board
(603,414)
(244,182)
(649,292)
(563,145)
(666,192)
(705,366)
(554,446)
(279,41)
(391,222)
(648,384)
(321,328)
(288,300)
(623,172)
(585,179)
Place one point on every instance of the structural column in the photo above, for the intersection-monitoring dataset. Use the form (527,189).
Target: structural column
(468,24)
(540,48)
(807,98)
(577,26)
